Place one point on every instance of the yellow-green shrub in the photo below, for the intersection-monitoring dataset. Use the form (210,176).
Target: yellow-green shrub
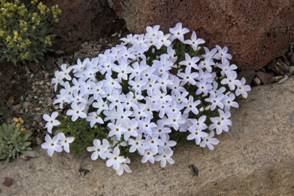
(26,30)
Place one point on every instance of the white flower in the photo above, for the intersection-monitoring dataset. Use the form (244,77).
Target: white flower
(147,126)
(122,69)
(97,90)
(76,111)
(51,121)
(215,101)
(203,88)
(207,64)
(209,54)
(153,143)
(93,118)
(209,141)
(51,145)
(196,134)
(175,120)
(200,123)
(242,88)
(131,129)
(155,37)
(163,65)
(137,69)
(124,167)
(221,123)
(188,76)
(195,42)
(148,157)
(111,84)
(222,53)
(100,105)
(231,81)
(115,161)
(190,61)
(168,143)
(178,32)
(227,68)
(65,71)
(191,106)
(229,101)
(136,144)
(80,66)
(152,32)
(164,156)
(116,130)
(100,149)
(57,80)
(65,141)
(163,40)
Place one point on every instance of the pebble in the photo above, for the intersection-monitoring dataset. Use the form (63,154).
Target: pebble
(8,181)
(16,108)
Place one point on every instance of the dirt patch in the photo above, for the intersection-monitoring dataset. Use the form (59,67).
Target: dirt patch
(83,21)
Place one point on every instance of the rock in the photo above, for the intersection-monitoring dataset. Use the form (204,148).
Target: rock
(7,181)
(81,21)
(255,31)
(255,158)
(265,78)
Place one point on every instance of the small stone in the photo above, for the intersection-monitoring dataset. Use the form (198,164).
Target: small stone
(265,78)
(16,108)
(114,35)
(256,81)
(10,101)
(59,52)
(28,155)
(25,104)
(8,181)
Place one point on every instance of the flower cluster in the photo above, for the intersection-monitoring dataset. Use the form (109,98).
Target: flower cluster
(143,91)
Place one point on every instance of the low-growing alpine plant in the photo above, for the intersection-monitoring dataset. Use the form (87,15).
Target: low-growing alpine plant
(140,95)
(15,140)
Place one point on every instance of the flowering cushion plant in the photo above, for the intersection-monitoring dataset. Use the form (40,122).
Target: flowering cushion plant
(138,96)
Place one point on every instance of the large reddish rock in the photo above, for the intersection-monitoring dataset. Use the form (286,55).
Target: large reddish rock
(255,31)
